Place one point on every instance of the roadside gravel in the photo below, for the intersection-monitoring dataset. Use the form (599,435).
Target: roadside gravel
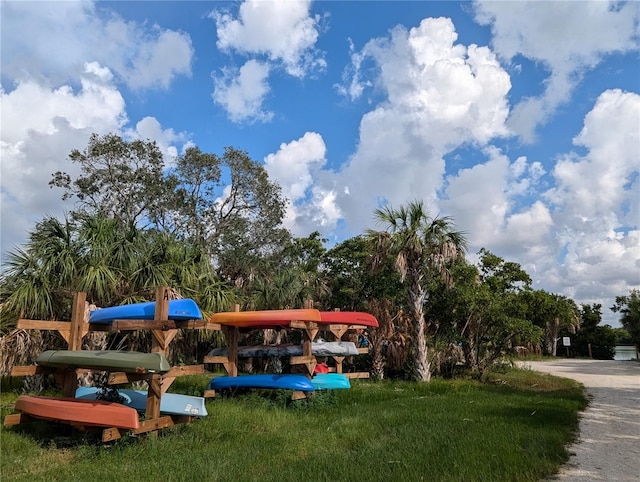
(608,446)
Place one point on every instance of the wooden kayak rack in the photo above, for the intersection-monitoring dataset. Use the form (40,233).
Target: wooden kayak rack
(309,332)
(163,331)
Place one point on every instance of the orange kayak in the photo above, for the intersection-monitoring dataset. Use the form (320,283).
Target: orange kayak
(265,318)
(93,413)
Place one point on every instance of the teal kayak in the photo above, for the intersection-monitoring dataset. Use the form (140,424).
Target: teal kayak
(330,381)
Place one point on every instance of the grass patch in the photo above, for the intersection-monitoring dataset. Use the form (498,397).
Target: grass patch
(514,427)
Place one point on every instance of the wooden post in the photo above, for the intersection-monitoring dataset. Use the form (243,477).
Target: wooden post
(76,332)
(153,397)
(232,334)
(78,322)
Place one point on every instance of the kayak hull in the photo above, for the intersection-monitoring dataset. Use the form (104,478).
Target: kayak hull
(271,381)
(264,318)
(89,413)
(282,318)
(330,381)
(179,310)
(170,403)
(108,360)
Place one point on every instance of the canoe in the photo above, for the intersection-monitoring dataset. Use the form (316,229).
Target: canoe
(318,348)
(282,318)
(170,403)
(348,318)
(90,413)
(108,360)
(286,382)
(264,318)
(179,310)
(330,381)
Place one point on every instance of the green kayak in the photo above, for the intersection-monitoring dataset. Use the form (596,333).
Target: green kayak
(108,360)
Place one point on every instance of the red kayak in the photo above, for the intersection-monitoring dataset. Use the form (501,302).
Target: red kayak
(348,318)
(282,318)
(93,413)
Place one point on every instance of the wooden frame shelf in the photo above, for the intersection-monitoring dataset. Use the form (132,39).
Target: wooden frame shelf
(163,332)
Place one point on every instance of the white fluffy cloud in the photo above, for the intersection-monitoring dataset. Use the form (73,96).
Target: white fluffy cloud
(296,166)
(597,200)
(241,93)
(280,33)
(142,56)
(567,38)
(40,128)
(439,95)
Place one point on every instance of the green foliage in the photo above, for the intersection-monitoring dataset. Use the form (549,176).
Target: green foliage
(593,340)
(629,308)
(514,428)
(119,179)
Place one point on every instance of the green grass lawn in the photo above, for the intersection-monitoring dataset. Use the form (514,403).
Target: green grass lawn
(515,427)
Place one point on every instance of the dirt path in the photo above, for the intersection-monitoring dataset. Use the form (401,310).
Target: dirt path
(608,446)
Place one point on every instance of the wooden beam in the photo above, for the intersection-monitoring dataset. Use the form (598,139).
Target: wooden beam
(25,324)
(111,434)
(77,321)
(301,359)
(357,375)
(215,359)
(154,424)
(120,378)
(298,395)
(209,394)
(135,325)
(185,370)
(154,393)
(158,342)
(16,419)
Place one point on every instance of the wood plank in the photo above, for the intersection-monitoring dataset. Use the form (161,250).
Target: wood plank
(303,325)
(301,359)
(363,351)
(154,424)
(16,419)
(119,378)
(154,393)
(209,394)
(28,370)
(215,359)
(357,375)
(61,326)
(111,434)
(136,325)
(77,321)
(185,370)
(297,395)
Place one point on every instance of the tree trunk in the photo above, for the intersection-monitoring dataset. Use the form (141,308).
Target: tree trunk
(377,361)
(422,366)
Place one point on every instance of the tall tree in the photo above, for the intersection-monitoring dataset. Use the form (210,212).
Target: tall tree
(553,313)
(421,244)
(118,179)
(228,205)
(629,308)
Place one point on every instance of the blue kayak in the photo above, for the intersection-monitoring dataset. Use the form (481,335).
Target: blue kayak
(286,382)
(170,403)
(179,310)
(330,381)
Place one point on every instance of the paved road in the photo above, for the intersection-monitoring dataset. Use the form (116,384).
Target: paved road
(608,447)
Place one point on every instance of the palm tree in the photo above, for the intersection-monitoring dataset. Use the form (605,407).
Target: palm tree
(421,245)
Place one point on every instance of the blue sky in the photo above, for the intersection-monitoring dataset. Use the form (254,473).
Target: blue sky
(520,120)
